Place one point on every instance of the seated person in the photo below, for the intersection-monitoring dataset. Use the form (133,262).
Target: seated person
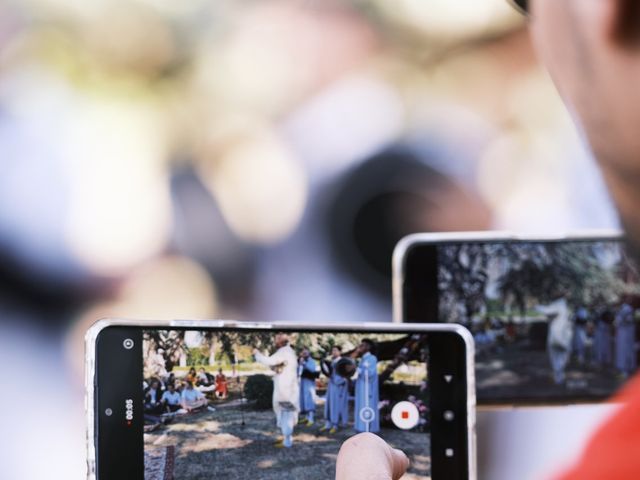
(192,376)
(152,399)
(193,399)
(204,379)
(221,385)
(171,399)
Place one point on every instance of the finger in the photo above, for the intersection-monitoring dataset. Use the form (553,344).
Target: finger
(399,462)
(368,456)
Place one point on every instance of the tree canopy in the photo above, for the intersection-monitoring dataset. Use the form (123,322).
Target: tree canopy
(521,274)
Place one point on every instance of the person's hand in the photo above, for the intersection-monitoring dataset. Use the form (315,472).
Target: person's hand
(367,457)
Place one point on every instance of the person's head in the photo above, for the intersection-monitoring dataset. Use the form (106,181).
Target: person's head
(282,339)
(155,384)
(192,371)
(366,345)
(305,353)
(592,51)
(336,351)
(171,387)
(189,385)
(220,371)
(201,370)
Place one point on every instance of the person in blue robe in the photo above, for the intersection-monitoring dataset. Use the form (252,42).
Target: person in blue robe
(602,351)
(336,407)
(308,374)
(580,337)
(625,340)
(367,415)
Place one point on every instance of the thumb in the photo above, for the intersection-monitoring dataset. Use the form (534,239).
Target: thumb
(399,463)
(367,456)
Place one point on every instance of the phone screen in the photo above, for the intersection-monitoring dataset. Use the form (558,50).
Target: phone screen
(261,404)
(552,320)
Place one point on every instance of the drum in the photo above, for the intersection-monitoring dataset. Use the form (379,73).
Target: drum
(346,367)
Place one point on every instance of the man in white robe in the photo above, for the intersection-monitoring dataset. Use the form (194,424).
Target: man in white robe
(286,390)
(559,338)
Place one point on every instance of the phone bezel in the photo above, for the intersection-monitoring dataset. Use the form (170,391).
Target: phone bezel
(93,334)
(431,240)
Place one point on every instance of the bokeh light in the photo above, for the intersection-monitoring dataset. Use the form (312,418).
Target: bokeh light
(218,159)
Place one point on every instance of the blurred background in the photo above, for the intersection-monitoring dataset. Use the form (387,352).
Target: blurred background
(252,159)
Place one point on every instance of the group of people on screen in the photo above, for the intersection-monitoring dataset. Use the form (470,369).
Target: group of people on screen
(601,337)
(294,392)
(172,395)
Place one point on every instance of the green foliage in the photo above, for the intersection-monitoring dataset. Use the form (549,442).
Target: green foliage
(497,277)
(259,388)
(197,357)
(230,342)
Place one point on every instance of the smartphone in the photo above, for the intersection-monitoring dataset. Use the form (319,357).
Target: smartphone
(224,399)
(553,319)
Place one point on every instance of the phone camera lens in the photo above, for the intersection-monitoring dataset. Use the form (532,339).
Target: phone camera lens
(128,344)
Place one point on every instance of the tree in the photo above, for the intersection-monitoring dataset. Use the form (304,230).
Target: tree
(462,278)
(170,341)
(586,274)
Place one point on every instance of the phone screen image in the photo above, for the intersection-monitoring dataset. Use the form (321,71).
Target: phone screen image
(268,405)
(550,320)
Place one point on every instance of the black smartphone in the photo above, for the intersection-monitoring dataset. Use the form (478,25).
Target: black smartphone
(553,319)
(219,399)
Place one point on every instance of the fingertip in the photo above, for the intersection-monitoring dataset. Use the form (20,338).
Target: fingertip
(400,463)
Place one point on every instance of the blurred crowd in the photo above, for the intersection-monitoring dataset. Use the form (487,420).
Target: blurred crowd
(250,160)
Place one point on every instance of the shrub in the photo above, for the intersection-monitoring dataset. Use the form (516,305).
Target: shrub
(259,389)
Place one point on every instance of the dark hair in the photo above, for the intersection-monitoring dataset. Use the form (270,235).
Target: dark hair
(628,23)
(338,347)
(192,369)
(371,344)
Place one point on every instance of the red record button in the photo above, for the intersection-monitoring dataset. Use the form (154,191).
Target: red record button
(405,415)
